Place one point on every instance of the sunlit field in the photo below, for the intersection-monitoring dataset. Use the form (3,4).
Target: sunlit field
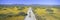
(48,13)
(19,13)
(13,13)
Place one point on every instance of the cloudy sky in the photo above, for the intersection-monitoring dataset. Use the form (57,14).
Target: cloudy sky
(45,2)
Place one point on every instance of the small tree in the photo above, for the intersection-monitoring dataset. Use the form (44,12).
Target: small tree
(49,11)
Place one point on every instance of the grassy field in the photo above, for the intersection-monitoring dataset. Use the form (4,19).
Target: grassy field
(51,14)
(14,13)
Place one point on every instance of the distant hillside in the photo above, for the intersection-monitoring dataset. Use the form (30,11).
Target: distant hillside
(32,5)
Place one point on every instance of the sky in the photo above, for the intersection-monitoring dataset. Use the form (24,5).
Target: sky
(44,2)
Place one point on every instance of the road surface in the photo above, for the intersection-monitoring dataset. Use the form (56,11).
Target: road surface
(30,15)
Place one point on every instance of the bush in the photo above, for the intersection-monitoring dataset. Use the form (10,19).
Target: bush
(22,13)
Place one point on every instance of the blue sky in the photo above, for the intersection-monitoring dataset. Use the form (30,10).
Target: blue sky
(45,2)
